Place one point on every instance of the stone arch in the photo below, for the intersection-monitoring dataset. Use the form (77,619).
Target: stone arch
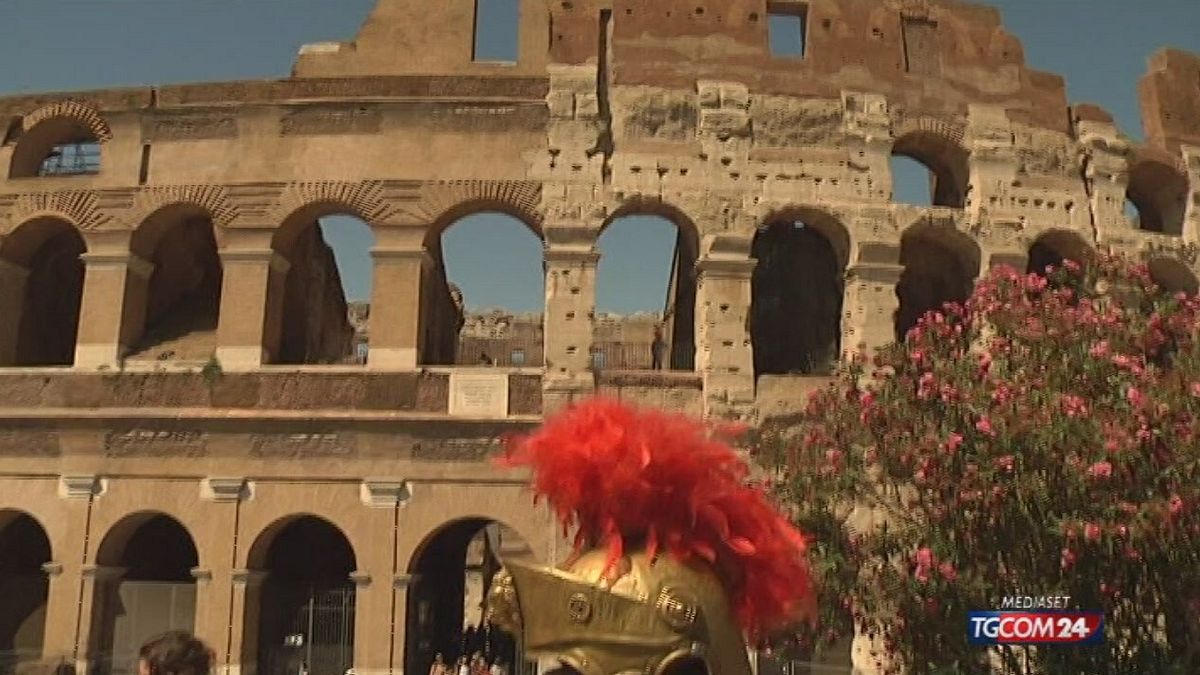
(1158,191)
(797,291)
(1173,275)
(55,128)
(452,567)
(1052,247)
(41,288)
(296,587)
(299,330)
(212,199)
(143,585)
(625,343)
(945,158)
(940,265)
(24,549)
(444,302)
(173,287)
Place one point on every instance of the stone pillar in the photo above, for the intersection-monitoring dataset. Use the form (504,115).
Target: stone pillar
(12,304)
(869,307)
(243,623)
(400,586)
(248,330)
(395,330)
(372,637)
(99,599)
(105,330)
(568,323)
(214,581)
(724,352)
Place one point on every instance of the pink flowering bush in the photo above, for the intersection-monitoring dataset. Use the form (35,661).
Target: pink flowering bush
(1043,438)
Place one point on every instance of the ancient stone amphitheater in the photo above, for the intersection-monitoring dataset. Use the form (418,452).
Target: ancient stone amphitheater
(179,445)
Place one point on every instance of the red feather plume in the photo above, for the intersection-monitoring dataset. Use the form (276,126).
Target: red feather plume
(629,477)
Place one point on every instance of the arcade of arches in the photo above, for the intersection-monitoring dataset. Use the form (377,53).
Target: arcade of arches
(301,610)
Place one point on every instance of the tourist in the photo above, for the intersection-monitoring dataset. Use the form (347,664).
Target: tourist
(657,347)
(498,668)
(462,667)
(439,666)
(175,653)
(478,665)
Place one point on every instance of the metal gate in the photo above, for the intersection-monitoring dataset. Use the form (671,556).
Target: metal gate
(318,636)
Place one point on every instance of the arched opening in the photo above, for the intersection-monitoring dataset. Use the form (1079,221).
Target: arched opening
(172,304)
(24,549)
(301,618)
(1173,276)
(451,574)
(940,266)
(796,290)
(41,274)
(929,170)
(1156,197)
(1052,248)
(484,296)
(646,294)
(59,146)
(143,586)
(318,302)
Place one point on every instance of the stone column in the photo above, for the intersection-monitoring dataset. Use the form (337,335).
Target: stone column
(99,598)
(568,324)
(869,307)
(724,351)
(243,623)
(105,326)
(12,303)
(214,581)
(249,327)
(395,337)
(400,586)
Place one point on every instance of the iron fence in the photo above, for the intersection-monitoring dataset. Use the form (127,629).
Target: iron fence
(318,637)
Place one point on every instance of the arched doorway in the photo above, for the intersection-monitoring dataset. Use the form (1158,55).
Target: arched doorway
(940,266)
(1173,276)
(1156,199)
(483,297)
(796,290)
(24,588)
(318,303)
(646,293)
(171,308)
(451,574)
(58,146)
(1053,248)
(303,617)
(144,586)
(42,278)
(929,170)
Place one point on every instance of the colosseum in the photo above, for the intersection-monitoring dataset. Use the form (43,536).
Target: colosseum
(190,436)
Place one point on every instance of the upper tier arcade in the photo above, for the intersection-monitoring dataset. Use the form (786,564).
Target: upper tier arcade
(683,110)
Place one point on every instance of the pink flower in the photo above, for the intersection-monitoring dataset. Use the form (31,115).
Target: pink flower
(834,456)
(1100,470)
(947,571)
(1196,389)
(1091,532)
(924,556)
(1005,463)
(1175,505)
(953,442)
(1135,397)
(1100,349)
(866,399)
(1074,406)
(985,361)
(1068,559)
(984,426)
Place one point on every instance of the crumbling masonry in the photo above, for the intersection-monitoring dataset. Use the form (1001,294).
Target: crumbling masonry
(175,428)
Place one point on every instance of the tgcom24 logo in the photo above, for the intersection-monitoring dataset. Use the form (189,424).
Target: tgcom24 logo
(1038,627)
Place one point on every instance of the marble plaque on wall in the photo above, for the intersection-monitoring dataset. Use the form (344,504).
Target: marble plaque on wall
(479,394)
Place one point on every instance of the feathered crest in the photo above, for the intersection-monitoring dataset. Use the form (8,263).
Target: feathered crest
(632,477)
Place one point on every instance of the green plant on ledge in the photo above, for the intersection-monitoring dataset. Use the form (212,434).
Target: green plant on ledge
(211,370)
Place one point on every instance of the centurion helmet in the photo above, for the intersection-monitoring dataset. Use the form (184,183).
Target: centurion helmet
(677,562)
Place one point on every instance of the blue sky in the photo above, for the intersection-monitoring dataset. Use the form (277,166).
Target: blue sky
(1100,46)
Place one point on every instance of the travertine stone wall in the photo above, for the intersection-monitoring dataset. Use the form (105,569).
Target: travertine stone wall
(613,108)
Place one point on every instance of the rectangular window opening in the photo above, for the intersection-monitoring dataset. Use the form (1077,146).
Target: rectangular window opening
(144,169)
(517,357)
(787,29)
(497,31)
(921,51)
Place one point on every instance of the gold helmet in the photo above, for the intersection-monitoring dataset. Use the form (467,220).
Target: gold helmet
(732,566)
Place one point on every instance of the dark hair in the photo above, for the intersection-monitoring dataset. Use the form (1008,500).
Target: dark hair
(176,653)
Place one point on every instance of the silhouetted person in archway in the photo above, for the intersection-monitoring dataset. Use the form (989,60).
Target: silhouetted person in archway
(175,653)
(657,348)
(485,360)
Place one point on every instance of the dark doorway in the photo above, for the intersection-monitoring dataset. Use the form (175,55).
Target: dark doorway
(47,251)
(306,607)
(144,586)
(24,548)
(939,267)
(446,612)
(795,323)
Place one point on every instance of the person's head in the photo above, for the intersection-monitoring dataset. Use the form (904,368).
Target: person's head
(175,653)
(437,658)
